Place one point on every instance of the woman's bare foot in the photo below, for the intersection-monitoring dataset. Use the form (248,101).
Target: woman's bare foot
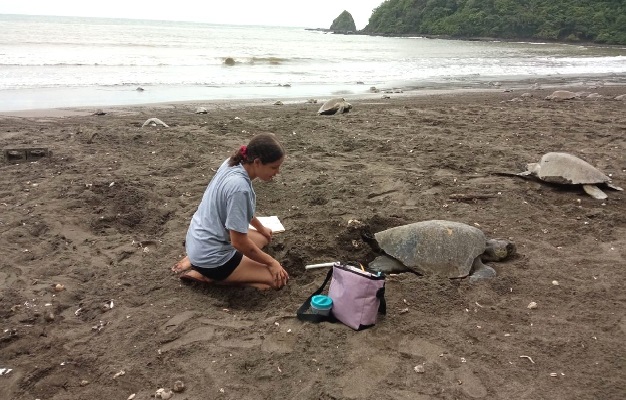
(182,265)
(191,275)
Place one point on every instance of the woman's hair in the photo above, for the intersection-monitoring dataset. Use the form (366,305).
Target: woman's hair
(264,146)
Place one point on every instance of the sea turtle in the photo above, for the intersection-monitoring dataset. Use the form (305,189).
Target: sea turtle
(445,248)
(565,168)
(563,95)
(338,105)
(154,122)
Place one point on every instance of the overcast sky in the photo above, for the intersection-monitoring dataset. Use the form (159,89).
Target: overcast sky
(308,14)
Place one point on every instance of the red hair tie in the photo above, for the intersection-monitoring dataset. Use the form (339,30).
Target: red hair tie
(244,151)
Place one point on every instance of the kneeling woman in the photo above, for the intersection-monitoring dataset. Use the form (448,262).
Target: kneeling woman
(220,247)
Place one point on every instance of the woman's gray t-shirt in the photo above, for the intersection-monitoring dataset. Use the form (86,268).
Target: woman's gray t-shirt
(228,204)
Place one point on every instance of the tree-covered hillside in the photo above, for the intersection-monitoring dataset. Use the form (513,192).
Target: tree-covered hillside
(600,21)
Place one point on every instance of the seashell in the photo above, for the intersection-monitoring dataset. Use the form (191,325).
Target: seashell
(59,287)
(179,386)
(164,394)
(532,305)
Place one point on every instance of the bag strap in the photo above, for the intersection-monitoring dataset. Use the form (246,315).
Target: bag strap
(316,318)
(382,307)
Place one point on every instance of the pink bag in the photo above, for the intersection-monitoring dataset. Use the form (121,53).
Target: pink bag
(358,296)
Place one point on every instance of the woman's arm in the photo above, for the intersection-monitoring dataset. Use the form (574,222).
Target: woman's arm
(248,248)
(263,230)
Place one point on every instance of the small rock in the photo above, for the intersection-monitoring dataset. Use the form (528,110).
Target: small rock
(555,283)
(59,287)
(49,316)
(131,397)
(532,305)
(164,394)
(278,103)
(84,382)
(419,369)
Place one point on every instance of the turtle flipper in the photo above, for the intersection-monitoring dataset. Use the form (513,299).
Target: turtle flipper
(612,186)
(593,191)
(481,271)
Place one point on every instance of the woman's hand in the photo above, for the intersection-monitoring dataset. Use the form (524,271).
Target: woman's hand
(279,274)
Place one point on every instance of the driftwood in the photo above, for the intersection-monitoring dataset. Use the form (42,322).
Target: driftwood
(471,196)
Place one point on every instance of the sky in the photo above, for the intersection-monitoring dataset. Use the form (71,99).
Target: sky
(307,14)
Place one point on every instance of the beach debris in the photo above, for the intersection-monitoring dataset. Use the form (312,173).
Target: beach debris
(99,112)
(154,122)
(139,89)
(118,374)
(532,305)
(229,61)
(164,394)
(179,387)
(439,247)
(419,369)
(5,371)
(84,382)
(373,89)
(312,101)
(49,316)
(107,305)
(385,96)
(561,95)
(555,283)
(59,288)
(528,358)
(567,169)
(337,105)
(201,110)
(131,397)
(278,103)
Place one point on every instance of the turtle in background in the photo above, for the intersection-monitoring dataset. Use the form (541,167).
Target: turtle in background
(437,247)
(567,169)
(338,105)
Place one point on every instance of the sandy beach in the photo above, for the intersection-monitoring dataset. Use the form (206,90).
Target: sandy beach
(90,308)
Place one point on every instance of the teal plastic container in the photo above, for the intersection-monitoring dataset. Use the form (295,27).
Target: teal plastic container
(321,304)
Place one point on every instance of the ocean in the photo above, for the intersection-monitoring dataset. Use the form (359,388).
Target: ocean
(54,62)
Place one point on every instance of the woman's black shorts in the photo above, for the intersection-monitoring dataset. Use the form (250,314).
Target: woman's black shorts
(223,271)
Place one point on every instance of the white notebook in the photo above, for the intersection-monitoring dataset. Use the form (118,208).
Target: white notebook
(271,222)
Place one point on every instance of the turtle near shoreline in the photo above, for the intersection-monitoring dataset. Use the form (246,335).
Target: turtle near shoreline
(338,105)
(567,169)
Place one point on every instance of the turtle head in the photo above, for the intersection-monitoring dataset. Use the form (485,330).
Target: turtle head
(498,249)
(533,168)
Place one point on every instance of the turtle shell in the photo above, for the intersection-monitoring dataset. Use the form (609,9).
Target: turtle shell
(438,247)
(569,169)
(332,106)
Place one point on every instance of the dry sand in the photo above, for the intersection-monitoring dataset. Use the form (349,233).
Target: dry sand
(106,214)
